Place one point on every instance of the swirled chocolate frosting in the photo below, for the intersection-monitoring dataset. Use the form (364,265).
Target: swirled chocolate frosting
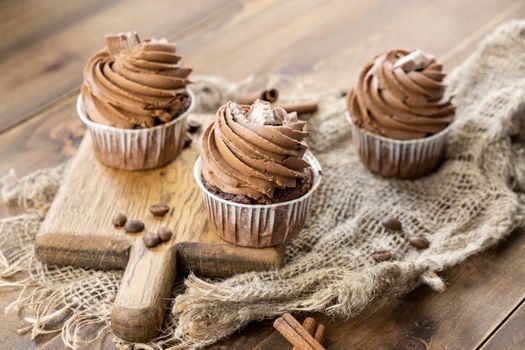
(401,95)
(135,84)
(252,151)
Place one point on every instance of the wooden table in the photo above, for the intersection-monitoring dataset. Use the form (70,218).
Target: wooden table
(45,44)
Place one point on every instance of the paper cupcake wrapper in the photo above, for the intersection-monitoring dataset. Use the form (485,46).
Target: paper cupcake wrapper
(402,159)
(258,226)
(136,149)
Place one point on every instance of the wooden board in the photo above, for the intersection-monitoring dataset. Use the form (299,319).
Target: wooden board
(78,231)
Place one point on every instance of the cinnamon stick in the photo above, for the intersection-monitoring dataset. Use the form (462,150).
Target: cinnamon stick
(291,335)
(270,95)
(319,333)
(292,330)
(305,107)
(310,325)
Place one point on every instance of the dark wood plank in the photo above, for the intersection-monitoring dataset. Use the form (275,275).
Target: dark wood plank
(45,63)
(55,133)
(511,335)
(328,42)
(10,323)
(27,21)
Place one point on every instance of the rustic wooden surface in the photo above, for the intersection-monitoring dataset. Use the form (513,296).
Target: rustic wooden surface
(78,231)
(325,41)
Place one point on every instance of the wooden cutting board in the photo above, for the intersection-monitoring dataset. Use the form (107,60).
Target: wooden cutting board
(78,231)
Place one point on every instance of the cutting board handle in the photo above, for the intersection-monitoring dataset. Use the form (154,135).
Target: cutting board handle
(138,310)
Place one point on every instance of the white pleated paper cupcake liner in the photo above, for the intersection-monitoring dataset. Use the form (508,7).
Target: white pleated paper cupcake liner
(402,159)
(136,149)
(258,226)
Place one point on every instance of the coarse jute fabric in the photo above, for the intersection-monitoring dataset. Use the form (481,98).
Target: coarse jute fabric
(474,200)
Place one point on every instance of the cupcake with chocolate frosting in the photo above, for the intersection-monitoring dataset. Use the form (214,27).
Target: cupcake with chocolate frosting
(400,114)
(135,100)
(256,173)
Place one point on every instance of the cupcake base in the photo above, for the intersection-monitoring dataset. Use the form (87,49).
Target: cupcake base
(260,225)
(137,149)
(400,159)
(280,195)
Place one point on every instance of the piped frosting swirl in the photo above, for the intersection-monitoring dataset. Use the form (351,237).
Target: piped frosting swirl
(401,95)
(135,84)
(252,151)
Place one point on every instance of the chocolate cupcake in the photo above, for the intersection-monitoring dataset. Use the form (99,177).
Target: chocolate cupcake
(134,101)
(400,114)
(256,174)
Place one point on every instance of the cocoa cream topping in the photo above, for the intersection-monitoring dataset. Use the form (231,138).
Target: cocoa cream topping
(401,95)
(135,84)
(253,150)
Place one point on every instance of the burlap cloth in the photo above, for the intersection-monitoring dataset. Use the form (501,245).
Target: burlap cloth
(473,201)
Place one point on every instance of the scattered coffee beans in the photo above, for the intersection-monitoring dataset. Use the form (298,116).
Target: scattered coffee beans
(382,255)
(119,220)
(392,223)
(151,239)
(134,226)
(193,126)
(187,141)
(159,209)
(419,242)
(165,234)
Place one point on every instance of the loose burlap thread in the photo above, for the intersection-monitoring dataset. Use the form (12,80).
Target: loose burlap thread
(474,200)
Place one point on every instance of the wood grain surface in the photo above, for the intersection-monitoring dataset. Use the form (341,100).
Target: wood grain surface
(78,231)
(324,41)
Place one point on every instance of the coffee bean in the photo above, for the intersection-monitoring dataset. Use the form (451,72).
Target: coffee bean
(151,239)
(382,255)
(119,220)
(187,141)
(392,223)
(193,126)
(165,234)
(159,209)
(134,226)
(419,242)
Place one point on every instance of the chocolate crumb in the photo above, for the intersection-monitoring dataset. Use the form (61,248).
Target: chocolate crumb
(193,126)
(187,141)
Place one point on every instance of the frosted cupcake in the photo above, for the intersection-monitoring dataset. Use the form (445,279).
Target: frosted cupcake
(400,114)
(134,101)
(256,174)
